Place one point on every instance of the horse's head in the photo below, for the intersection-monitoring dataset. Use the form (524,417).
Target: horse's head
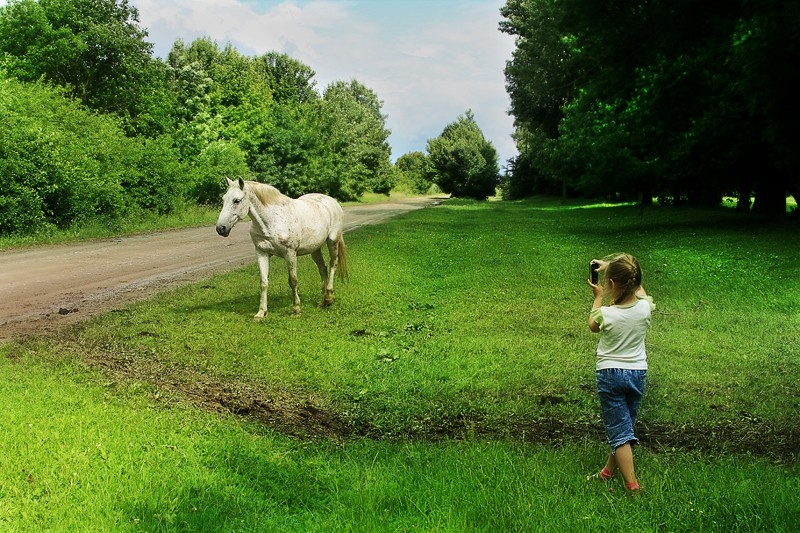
(234,206)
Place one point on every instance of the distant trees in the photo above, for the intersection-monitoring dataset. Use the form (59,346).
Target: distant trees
(355,129)
(463,161)
(683,100)
(413,172)
(289,134)
(128,131)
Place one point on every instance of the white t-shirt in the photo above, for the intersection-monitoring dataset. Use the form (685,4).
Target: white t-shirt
(622,332)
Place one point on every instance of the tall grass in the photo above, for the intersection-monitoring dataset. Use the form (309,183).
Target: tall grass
(456,368)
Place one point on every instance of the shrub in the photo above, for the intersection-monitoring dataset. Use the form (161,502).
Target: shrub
(219,159)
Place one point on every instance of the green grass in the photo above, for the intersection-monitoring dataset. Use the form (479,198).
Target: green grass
(452,384)
(144,222)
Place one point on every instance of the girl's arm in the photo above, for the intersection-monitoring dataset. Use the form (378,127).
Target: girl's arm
(597,290)
(641,294)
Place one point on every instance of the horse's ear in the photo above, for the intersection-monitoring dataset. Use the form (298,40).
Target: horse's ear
(229,182)
(241,183)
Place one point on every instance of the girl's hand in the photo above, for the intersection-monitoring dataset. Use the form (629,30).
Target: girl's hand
(603,264)
(597,289)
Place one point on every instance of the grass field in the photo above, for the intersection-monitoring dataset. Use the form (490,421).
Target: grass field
(449,388)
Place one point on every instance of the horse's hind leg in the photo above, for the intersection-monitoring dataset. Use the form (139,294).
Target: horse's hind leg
(323,275)
(327,288)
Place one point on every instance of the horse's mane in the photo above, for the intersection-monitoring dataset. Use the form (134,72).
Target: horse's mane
(267,194)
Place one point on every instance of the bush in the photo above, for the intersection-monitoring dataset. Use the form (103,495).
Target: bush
(462,161)
(219,159)
(53,154)
(61,164)
(155,179)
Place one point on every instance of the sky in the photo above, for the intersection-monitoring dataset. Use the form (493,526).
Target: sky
(429,61)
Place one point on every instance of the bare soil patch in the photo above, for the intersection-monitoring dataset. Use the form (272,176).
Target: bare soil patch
(309,416)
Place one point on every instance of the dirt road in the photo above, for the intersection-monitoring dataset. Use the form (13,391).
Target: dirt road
(43,289)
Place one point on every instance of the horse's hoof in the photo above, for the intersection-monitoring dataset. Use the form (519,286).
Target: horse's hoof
(259,316)
(296,312)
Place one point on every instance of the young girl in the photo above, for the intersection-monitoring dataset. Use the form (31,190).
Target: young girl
(621,358)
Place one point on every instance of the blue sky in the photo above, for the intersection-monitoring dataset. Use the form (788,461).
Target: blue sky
(427,60)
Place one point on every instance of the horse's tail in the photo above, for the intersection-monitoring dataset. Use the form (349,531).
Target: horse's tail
(341,268)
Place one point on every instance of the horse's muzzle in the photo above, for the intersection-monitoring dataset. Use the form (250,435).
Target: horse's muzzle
(223,230)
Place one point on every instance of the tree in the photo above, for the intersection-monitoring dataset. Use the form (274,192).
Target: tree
(94,48)
(543,74)
(684,100)
(413,167)
(290,80)
(463,161)
(61,164)
(286,151)
(355,135)
(192,86)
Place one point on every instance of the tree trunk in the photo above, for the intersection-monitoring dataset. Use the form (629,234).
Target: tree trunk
(770,196)
(743,200)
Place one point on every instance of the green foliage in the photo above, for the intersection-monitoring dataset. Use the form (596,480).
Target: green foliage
(290,136)
(55,157)
(285,151)
(218,159)
(414,172)
(62,164)
(672,99)
(157,180)
(165,132)
(289,80)
(463,161)
(354,128)
(95,49)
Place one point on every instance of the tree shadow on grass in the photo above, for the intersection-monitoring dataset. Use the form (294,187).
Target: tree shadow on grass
(271,488)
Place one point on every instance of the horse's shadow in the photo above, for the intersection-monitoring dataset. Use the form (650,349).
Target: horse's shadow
(280,302)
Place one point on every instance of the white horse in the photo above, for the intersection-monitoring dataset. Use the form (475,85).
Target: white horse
(287,228)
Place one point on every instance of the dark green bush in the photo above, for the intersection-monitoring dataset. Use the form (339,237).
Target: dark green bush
(153,176)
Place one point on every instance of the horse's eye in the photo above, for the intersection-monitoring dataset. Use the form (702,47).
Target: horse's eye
(237,201)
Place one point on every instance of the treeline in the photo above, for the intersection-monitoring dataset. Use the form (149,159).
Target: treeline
(681,100)
(95,126)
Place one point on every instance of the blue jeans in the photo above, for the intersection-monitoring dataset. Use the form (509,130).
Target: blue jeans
(620,392)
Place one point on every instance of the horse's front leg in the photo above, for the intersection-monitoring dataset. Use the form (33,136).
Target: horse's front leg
(291,263)
(323,274)
(263,269)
